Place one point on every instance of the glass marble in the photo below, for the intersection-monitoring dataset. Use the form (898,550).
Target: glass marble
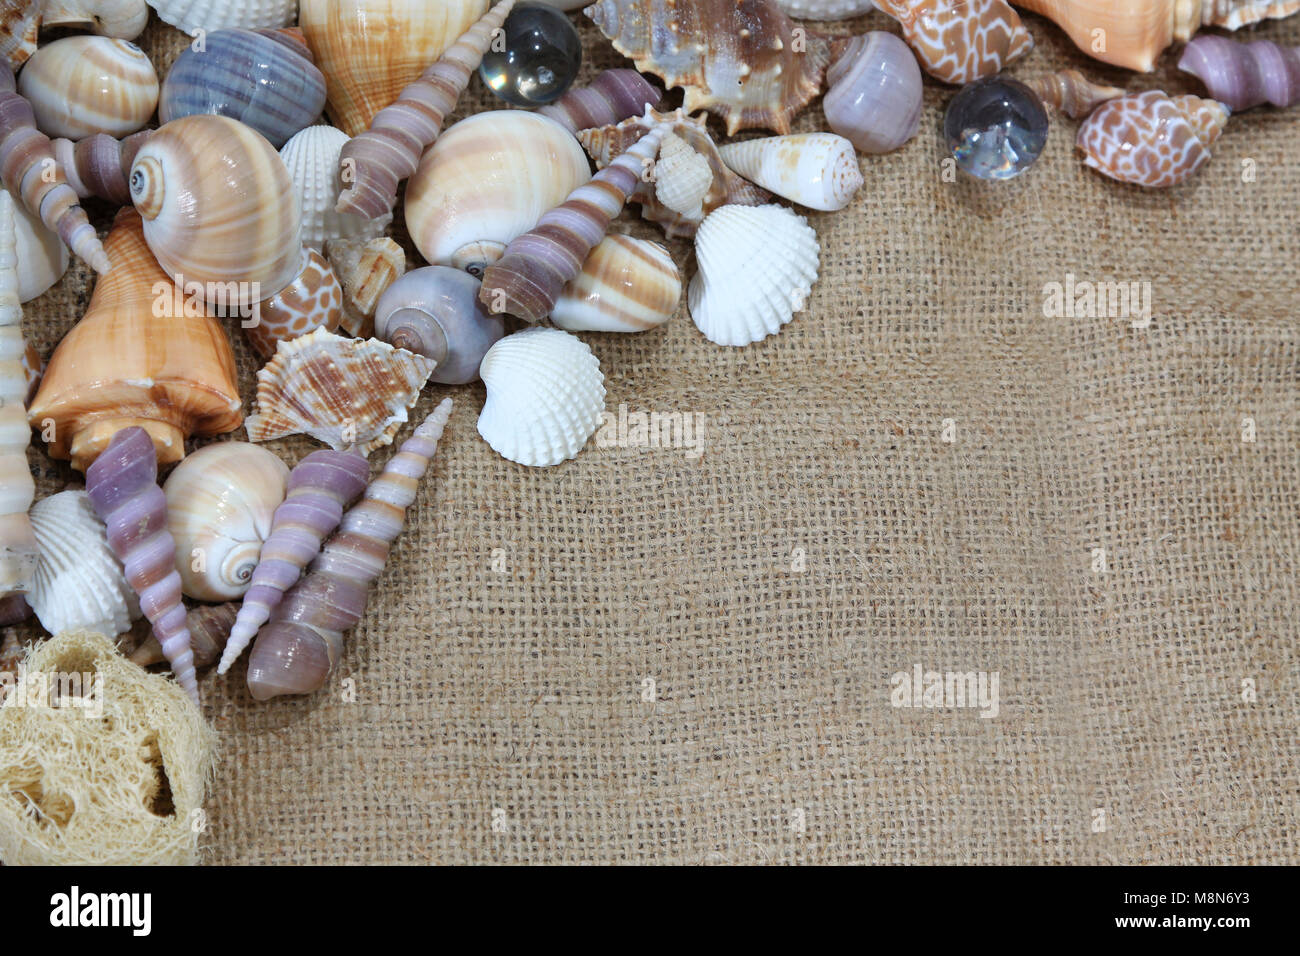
(539,58)
(996,127)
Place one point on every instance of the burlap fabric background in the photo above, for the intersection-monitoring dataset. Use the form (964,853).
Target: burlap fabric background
(501,710)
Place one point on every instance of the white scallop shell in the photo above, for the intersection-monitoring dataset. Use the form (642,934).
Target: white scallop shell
(682,177)
(43,255)
(626,285)
(220,501)
(486,181)
(825,9)
(817,170)
(82,85)
(191,15)
(312,158)
(545,396)
(757,267)
(79,582)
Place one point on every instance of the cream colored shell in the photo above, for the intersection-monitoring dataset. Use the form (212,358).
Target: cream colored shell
(682,177)
(220,501)
(312,158)
(43,255)
(192,15)
(626,285)
(82,85)
(817,170)
(545,396)
(487,180)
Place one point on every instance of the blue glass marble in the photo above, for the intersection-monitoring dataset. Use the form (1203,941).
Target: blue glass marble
(537,61)
(996,127)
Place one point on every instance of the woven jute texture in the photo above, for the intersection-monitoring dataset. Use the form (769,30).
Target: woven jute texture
(658,655)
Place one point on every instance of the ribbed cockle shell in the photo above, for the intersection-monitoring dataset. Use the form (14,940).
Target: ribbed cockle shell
(742,60)
(301,644)
(345,392)
(320,487)
(959,41)
(123,487)
(219,506)
(1242,75)
(1150,138)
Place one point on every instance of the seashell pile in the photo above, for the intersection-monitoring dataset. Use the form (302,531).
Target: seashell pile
(242,206)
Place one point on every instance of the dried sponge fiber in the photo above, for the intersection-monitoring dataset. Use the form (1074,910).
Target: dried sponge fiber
(109,768)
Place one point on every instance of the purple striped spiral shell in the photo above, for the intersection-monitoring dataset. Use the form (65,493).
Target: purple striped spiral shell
(1242,75)
(372,164)
(123,486)
(99,165)
(296,651)
(610,98)
(29,170)
(320,487)
(529,277)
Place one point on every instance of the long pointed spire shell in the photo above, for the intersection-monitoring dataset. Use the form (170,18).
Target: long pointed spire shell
(18,548)
(296,651)
(373,163)
(29,169)
(610,98)
(320,487)
(528,279)
(123,487)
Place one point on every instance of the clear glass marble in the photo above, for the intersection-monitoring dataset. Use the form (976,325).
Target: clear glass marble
(996,127)
(537,61)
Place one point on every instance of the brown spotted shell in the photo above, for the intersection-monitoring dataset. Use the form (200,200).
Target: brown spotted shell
(348,393)
(605,143)
(1150,138)
(744,61)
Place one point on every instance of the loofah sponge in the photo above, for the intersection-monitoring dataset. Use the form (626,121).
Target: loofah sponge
(109,770)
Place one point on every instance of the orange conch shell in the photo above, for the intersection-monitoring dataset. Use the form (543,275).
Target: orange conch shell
(1151,139)
(606,143)
(369,50)
(1132,33)
(743,60)
(959,41)
(142,355)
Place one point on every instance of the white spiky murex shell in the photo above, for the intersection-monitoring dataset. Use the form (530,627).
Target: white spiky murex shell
(312,158)
(79,582)
(192,15)
(757,268)
(817,170)
(545,396)
(682,177)
(344,392)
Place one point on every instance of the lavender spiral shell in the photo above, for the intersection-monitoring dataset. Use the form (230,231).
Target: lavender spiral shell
(610,98)
(1242,75)
(99,165)
(874,95)
(296,651)
(320,487)
(29,169)
(528,279)
(123,486)
(373,163)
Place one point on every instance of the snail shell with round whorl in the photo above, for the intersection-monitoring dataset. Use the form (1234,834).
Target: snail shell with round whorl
(874,95)
(220,501)
(435,312)
(487,180)
(218,207)
(81,85)
(124,19)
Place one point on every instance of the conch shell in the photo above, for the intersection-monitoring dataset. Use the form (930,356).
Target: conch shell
(218,208)
(742,60)
(369,50)
(125,364)
(487,180)
(301,644)
(219,506)
(1150,138)
(960,41)
(1132,33)
(606,143)
(348,393)
(18,549)
(79,581)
